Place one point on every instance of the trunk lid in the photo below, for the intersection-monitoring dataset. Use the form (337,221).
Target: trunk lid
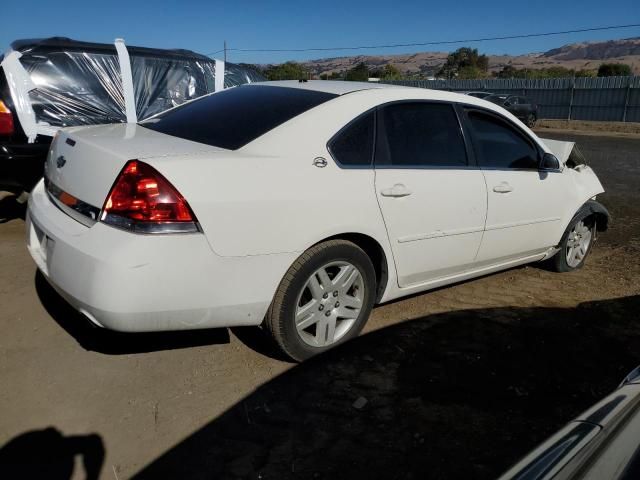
(84,162)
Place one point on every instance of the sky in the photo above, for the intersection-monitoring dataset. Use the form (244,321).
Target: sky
(203,26)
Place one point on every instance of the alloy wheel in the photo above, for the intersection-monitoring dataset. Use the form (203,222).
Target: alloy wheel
(329,303)
(578,244)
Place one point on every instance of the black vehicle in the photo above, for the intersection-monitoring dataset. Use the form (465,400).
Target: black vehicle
(518,105)
(478,94)
(59,82)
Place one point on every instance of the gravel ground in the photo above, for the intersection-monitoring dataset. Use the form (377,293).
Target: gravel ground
(601,128)
(455,383)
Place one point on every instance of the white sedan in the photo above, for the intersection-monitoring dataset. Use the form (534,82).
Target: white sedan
(300,205)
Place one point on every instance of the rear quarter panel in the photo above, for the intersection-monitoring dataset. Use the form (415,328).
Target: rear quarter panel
(268,197)
(258,205)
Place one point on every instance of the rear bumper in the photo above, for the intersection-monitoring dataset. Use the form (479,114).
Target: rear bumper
(134,283)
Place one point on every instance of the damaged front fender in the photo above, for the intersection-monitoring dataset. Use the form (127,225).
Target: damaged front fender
(595,208)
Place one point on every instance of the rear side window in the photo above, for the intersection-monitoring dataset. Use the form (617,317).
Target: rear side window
(353,146)
(498,145)
(234,117)
(419,134)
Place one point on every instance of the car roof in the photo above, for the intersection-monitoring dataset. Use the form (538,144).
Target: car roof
(380,90)
(337,87)
(352,99)
(342,87)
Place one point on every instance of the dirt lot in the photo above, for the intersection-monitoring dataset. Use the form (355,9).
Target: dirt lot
(459,382)
(606,128)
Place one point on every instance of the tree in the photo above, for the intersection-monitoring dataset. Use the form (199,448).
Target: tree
(465,63)
(614,70)
(586,73)
(286,71)
(331,76)
(508,71)
(359,73)
(390,72)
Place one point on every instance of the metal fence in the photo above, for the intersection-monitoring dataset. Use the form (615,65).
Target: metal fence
(604,98)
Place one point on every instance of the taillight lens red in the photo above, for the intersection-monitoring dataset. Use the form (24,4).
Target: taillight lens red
(6,120)
(144,201)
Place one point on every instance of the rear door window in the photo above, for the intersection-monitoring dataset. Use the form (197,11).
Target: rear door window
(234,117)
(353,145)
(420,134)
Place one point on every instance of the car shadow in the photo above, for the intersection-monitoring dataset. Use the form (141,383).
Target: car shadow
(49,454)
(453,395)
(109,342)
(258,339)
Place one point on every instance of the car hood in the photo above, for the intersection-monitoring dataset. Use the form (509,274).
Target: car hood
(560,148)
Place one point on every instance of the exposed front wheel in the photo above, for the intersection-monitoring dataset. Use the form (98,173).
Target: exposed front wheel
(324,299)
(575,246)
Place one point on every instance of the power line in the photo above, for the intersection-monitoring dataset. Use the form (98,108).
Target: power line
(423,44)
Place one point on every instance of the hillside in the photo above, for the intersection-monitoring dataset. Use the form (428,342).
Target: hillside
(587,55)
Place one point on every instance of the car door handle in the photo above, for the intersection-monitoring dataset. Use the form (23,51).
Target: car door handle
(398,190)
(503,188)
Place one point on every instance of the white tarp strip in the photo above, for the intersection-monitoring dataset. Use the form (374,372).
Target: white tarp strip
(219,82)
(19,85)
(127,81)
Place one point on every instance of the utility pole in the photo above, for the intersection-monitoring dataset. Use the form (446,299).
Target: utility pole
(225,51)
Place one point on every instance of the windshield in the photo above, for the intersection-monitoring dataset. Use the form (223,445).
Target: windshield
(234,117)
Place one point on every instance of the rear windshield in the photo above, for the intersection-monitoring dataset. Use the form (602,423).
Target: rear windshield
(237,116)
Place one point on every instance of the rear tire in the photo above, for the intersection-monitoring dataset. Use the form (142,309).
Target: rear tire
(575,245)
(324,299)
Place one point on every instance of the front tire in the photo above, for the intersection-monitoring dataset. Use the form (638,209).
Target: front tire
(575,245)
(324,299)
(531,120)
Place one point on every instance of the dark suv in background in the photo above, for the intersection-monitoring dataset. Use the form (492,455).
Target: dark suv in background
(517,105)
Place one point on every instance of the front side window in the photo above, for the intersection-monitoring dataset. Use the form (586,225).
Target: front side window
(420,134)
(353,145)
(498,145)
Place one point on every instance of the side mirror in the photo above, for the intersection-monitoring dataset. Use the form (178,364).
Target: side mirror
(549,162)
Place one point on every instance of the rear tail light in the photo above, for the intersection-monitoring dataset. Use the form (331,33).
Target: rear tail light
(6,120)
(143,201)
